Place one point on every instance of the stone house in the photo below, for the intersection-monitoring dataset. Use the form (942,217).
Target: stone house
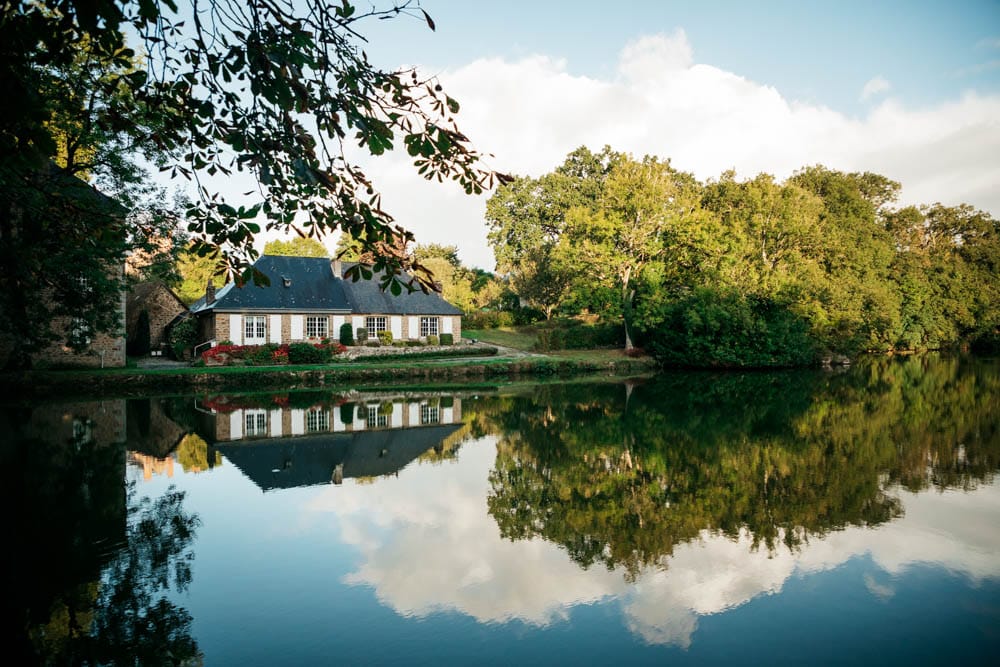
(309,300)
(162,306)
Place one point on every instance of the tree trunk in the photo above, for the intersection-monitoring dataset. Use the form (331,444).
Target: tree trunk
(627,295)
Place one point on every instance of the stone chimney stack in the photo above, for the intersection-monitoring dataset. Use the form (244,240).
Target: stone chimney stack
(210,293)
(337,268)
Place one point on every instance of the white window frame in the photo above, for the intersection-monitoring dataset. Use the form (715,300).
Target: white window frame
(430,414)
(430,326)
(375,324)
(375,417)
(254,423)
(317,326)
(254,329)
(317,420)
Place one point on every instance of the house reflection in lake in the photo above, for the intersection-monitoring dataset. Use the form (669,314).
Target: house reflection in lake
(279,447)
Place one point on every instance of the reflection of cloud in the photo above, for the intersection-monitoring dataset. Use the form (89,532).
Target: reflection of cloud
(427,544)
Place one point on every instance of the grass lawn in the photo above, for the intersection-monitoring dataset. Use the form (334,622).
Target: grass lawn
(520,338)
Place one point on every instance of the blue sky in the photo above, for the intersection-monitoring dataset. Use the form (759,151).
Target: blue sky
(822,53)
(910,90)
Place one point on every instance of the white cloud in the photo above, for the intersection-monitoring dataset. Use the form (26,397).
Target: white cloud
(873,87)
(427,544)
(531,112)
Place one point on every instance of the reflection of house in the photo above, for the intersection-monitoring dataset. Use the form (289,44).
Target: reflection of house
(274,422)
(280,447)
(284,463)
(308,299)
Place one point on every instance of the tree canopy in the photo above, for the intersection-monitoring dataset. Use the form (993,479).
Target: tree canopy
(755,272)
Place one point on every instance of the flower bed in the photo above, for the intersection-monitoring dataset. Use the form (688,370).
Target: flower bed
(271,355)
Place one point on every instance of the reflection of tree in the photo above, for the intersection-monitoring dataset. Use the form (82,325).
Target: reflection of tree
(89,567)
(621,480)
(192,454)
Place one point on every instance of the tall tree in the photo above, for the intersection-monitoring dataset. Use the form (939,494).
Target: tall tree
(615,242)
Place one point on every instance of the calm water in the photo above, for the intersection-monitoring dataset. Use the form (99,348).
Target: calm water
(797,518)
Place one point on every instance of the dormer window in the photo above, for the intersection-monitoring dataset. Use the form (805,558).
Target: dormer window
(287,281)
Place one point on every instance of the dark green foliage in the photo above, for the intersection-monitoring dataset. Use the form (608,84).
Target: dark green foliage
(139,345)
(347,413)
(361,335)
(346,334)
(306,353)
(447,339)
(527,315)
(723,328)
(183,335)
(574,335)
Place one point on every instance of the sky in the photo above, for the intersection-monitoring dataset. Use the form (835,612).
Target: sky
(910,90)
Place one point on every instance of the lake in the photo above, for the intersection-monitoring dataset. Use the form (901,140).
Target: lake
(695,518)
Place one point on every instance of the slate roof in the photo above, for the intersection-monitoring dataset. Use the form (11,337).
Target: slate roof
(313,287)
(285,463)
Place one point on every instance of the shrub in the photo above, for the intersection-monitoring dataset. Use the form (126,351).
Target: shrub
(346,334)
(724,328)
(385,337)
(399,343)
(573,335)
(528,315)
(447,339)
(361,335)
(305,353)
(183,336)
(373,343)
(414,343)
(432,340)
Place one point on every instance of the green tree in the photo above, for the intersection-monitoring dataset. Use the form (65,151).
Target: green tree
(296,247)
(614,243)
(527,217)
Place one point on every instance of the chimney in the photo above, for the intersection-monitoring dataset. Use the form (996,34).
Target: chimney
(209,292)
(336,268)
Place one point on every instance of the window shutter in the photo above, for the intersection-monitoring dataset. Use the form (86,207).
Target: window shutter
(297,327)
(396,327)
(236,329)
(274,335)
(414,331)
(236,423)
(446,325)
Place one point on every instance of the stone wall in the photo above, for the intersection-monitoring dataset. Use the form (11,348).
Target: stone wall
(160,304)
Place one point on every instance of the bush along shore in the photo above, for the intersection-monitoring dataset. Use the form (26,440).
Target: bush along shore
(126,382)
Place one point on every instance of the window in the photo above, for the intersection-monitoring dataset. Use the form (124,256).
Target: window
(79,332)
(255,330)
(376,419)
(317,420)
(316,327)
(375,324)
(255,422)
(429,414)
(428,326)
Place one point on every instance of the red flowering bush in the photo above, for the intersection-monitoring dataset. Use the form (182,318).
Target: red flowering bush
(263,355)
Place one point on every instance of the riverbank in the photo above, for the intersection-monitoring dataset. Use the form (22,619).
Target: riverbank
(133,381)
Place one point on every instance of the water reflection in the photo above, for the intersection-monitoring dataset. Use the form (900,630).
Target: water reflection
(282,441)
(695,493)
(90,565)
(668,501)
